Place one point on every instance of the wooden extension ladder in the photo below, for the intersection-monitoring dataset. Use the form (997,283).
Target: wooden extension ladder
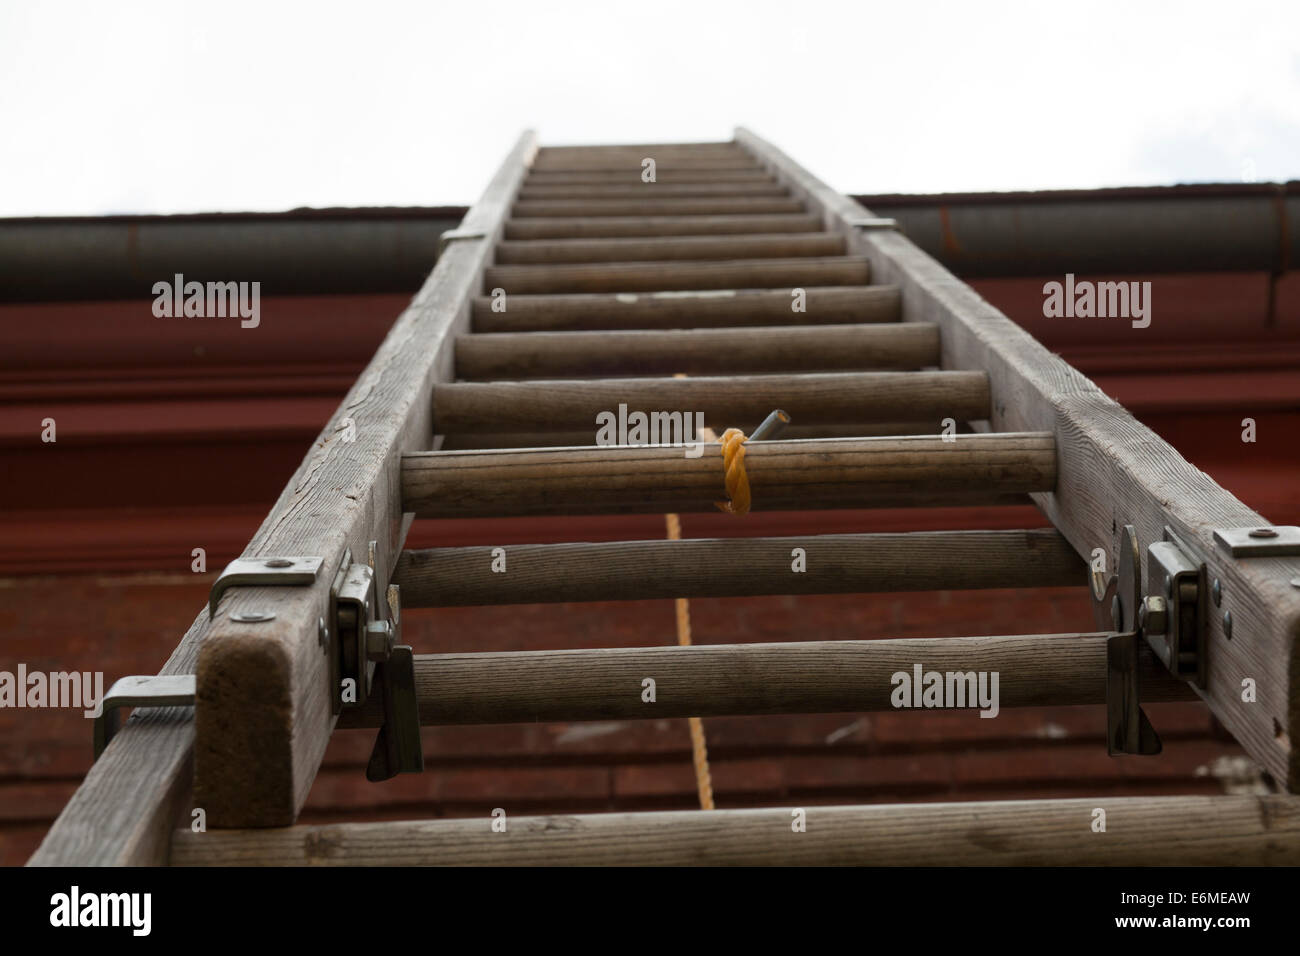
(731,282)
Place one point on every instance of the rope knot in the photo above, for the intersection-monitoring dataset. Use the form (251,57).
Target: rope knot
(735,478)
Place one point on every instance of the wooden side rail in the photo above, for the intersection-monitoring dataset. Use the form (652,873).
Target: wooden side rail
(1114,471)
(263,716)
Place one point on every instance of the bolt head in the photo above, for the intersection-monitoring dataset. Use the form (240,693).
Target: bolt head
(1227,624)
(1153,615)
(379,640)
(251,617)
(1216,590)
(1263,533)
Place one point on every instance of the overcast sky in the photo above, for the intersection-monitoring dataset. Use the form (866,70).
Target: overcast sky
(187,106)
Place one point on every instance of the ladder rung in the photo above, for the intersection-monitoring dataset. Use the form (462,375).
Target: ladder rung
(742,401)
(633,161)
(725,308)
(632,176)
(808,348)
(761,245)
(721,206)
(1144,831)
(724,680)
(674,276)
(655,190)
(469,441)
(737,567)
(576,227)
(722,146)
(783,476)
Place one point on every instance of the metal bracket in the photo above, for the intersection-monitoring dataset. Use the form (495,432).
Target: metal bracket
(1282,541)
(873,222)
(1172,619)
(361,645)
(351,605)
(1175,622)
(267,570)
(164,690)
(452,235)
(1128,730)
(368,651)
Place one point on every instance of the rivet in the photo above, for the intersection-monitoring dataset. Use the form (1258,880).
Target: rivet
(322,632)
(279,563)
(1227,624)
(1217,590)
(252,617)
(1263,533)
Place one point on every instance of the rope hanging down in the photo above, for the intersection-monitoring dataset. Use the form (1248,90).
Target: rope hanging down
(699,747)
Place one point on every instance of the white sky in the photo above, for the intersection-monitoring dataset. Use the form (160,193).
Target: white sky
(187,106)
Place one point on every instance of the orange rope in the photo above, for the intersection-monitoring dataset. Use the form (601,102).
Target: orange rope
(699,748)
(735,479)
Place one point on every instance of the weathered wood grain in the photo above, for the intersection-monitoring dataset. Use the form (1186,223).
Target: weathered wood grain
(739,400)
(666,162)
(655,190)
(733,308)
(720,206)
(469,441)
(724,147)
(718,680)
(578,227)
(758,246)
(783,475)
(794,348)
(631,176)
(664,276)
(731,567)
(1140,831)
